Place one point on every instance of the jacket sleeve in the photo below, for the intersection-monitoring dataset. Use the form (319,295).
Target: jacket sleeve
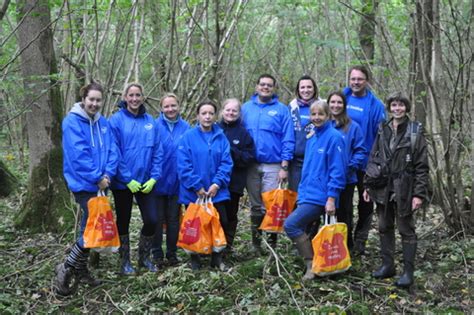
(188,178)
(379,115)
(336,168)
(288,140)
(158,156)
(358,151)
(245,155)
(79,154)
(224,170)
(421,167)
(123,173)
(113,157)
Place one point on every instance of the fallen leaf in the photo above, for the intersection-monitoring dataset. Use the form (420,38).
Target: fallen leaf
(418,302)
(429,291)
(393,296)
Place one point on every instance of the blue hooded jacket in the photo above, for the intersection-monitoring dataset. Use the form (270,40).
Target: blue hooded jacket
(169,185)
(271,129)
(202,163)
(324,167)
(355,150)
(89,150)
(371,122)
(138,141)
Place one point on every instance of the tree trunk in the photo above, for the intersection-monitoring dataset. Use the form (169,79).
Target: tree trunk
(8,181)
(47,197)
(367,30)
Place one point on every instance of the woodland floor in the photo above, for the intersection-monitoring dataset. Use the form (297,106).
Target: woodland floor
(263,284)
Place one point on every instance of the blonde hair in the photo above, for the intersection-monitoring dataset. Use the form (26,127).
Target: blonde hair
(321,104)
(172,95)
(130,85)
(228,101)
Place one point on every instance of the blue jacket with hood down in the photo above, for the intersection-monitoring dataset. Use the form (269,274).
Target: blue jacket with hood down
(89,150)
(138,141)
(355,150)
(202,163)
(371,122)
(169,185)
(271,128)
(324,167)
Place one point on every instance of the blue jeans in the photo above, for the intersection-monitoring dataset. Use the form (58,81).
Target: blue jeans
(82,198)
(304,215)
(168,213)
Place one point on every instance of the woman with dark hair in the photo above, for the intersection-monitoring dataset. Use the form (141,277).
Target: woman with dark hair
(90,161)
(355,152)
(141,159)
(306,92)
(242,150)
(171,128)
(397,180)
(204,168)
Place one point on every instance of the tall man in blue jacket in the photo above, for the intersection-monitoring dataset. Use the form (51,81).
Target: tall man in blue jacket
(269,124)
(368,111)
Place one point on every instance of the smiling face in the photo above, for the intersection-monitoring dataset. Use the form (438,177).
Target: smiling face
(206,117)
(358,82)
(318,115)
(231,112)
(92,102)
(170,108)
(306,90)
(398,110)
(336,105)
(265,88)
(134,98)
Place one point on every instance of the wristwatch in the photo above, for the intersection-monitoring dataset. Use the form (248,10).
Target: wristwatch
(284,167)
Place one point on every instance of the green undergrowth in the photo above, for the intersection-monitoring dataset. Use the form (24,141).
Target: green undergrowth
(264,284)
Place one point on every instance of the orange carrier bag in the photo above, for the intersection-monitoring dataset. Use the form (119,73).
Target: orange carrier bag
(279,204)
(195,235)
(331,254)
(219,242)
(101,232)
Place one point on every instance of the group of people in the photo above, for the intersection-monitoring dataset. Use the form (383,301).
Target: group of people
(320,148)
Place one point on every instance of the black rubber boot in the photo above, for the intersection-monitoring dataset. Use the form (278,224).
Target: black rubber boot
(387,249)
(216,261)
(195,262)
(409,253)
(126,267)
(273,240)
(256,234)
(305,249)
(144,253)
(64,283)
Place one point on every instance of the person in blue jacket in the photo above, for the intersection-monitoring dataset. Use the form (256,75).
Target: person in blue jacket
(242,151)
(269,124)
(322,181)
(90,160)
(139,169)
(368,111)
(204,168)
(356,154)
(306,94)
(171,128)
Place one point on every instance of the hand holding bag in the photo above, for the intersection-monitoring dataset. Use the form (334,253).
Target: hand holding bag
(331,254)
(101,232)
(195,235)
(279,204)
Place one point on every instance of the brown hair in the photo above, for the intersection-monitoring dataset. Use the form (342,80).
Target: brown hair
(84,91)
(344,120)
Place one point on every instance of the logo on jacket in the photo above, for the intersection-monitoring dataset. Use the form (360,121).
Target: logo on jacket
(272,112)
(236,141)
(321,150)
(103,129)
(148,126)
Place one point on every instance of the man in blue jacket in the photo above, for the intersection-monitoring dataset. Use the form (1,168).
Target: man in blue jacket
(269,124)
(368,111)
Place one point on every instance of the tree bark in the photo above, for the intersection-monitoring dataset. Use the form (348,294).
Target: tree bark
(8,181)
(367,30)
(47,196)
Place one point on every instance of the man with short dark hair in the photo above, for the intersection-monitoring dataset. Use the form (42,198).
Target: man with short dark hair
(368,111)
(269,124)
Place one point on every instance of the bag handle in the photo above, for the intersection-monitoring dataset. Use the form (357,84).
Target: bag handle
(101,193)
(329,219)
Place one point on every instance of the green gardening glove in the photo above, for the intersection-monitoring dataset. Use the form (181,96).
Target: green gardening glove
(148,186)
(134,186)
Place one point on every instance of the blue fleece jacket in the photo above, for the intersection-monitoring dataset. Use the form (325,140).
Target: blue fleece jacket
(169,184)
(371,111)
(89,150)
(300,116)
(203,160)
(271,129)
(242,151)
(138,141)
(324,167)
(355,150)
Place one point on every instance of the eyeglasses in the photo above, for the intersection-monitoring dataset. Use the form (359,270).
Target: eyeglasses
(265,85)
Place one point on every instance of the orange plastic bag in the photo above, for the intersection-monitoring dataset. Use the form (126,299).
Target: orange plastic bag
(219,242)
(101,231)
(279,204)
(195,235)
(331,254)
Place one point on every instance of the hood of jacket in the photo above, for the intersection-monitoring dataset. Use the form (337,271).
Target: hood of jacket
(78,110)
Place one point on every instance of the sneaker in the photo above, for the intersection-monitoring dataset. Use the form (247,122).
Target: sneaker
(63,284)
